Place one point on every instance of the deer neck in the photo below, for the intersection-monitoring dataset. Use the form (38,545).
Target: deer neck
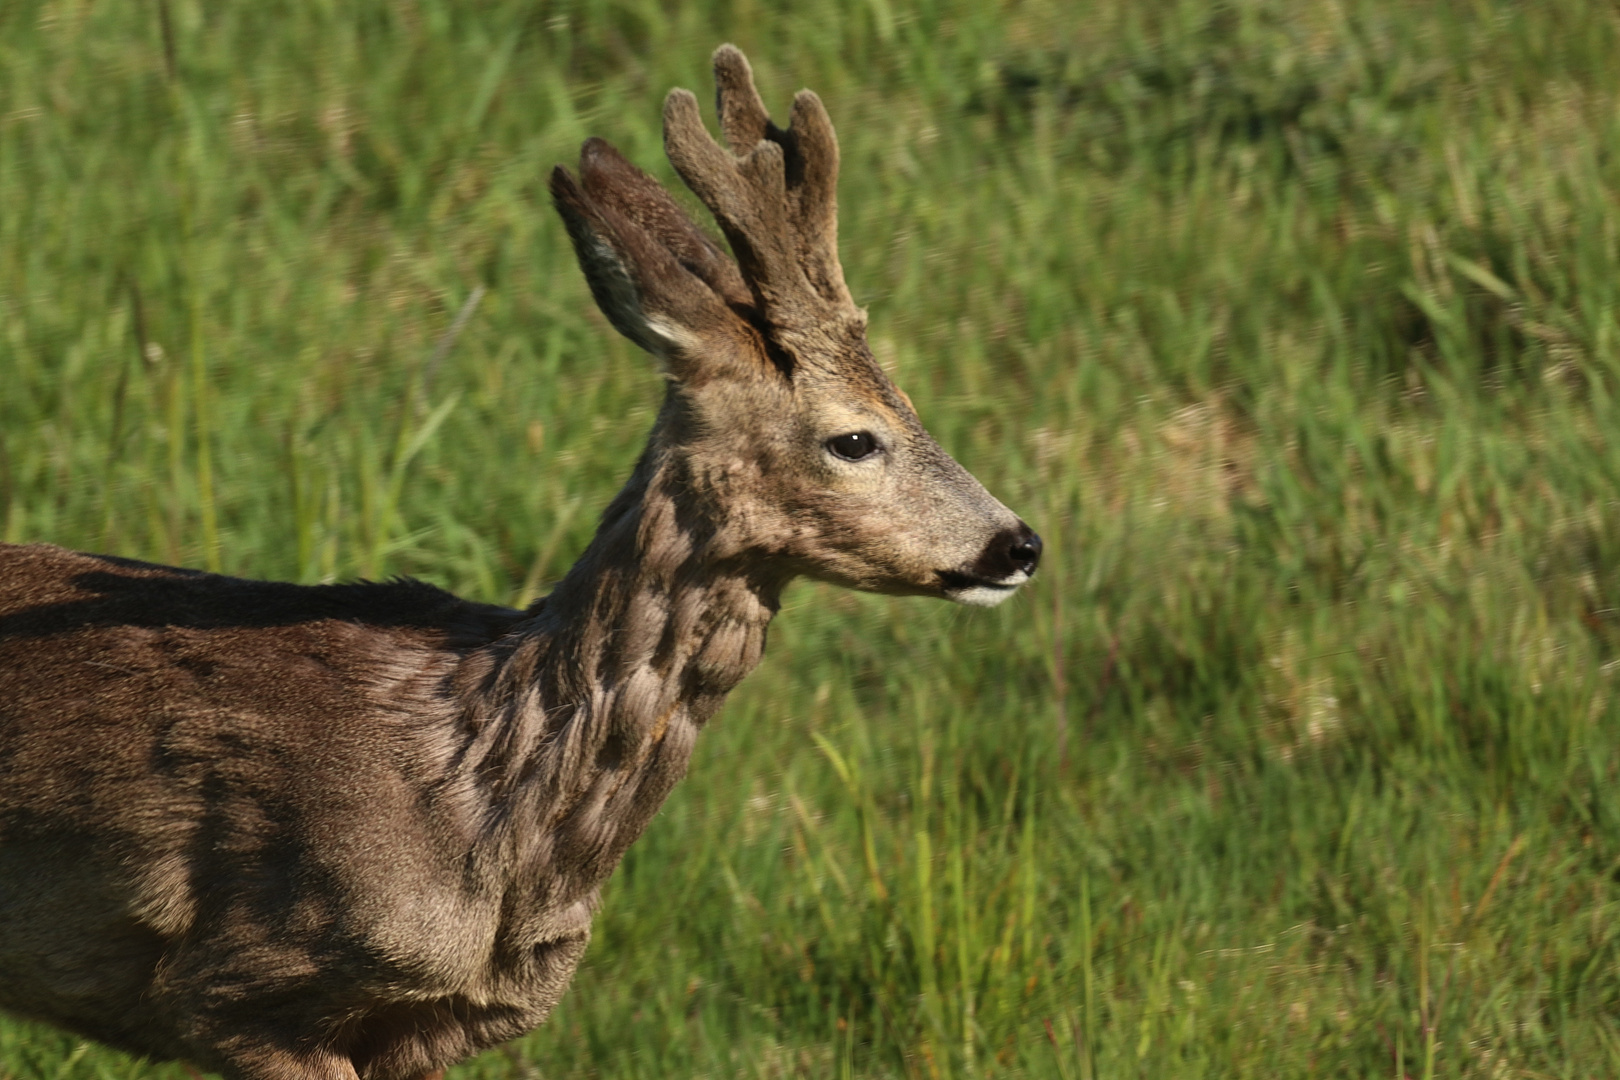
(585,717)
(662,611)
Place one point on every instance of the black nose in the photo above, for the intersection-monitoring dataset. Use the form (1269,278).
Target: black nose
(1025,552)
(1009,552)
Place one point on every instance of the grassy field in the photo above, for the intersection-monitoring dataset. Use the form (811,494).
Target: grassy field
(1293,325)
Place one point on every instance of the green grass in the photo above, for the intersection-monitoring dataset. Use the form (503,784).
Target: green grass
(1294,327)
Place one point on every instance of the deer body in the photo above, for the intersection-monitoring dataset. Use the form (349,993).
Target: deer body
(346,831)
(453,780)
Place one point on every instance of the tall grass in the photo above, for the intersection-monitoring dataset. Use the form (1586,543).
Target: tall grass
(1292,326)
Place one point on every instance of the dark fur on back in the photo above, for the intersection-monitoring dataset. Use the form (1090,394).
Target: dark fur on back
(106,590)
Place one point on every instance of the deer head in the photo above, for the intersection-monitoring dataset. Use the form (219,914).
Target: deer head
(807,457)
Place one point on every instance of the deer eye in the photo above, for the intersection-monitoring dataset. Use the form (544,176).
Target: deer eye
(854,446)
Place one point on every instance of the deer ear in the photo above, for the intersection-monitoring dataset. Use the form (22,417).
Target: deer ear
(603,262)
(659,280)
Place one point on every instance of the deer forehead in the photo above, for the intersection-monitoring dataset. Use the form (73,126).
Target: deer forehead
(811,404)
(854,390)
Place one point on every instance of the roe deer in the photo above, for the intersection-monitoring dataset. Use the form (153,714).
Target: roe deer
(291,832)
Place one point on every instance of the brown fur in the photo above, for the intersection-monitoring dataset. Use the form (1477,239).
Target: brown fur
(348,831)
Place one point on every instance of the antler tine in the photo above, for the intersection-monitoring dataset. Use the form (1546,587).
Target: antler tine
(773,193)
(747,197)
(742,113)
(817,147)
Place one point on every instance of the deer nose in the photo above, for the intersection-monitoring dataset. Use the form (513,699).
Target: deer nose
(1024,549)
(1011,551)
(1024,552)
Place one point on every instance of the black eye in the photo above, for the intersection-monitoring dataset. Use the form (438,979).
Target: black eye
(854,446)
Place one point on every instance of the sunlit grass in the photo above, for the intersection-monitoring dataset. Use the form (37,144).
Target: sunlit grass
(1292,327)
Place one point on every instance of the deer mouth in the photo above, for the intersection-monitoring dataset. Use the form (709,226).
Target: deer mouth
(978,591)
(1008,560)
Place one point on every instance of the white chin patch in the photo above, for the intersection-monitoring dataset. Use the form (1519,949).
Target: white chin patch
(988,595)
(981,595)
